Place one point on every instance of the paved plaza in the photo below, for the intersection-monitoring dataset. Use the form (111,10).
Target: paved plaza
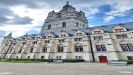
(63,69)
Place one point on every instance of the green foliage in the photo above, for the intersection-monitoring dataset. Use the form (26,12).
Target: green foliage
(73,60)
(39,60)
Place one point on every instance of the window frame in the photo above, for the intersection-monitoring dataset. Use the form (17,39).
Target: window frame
(49,26)
(101,48)
(63,24)
(98,37)
(120,36)
(126,47)
(78,48)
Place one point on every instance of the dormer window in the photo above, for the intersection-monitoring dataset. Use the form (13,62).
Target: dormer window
(98,37)
(64,24)
(59,15)
(63,35)
(97,32)
(79,34)
(49,26)
(49,37)
(61,40)
(47,41)
(119,30)
(43,37)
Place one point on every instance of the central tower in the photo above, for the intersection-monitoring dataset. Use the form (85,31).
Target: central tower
(66,19)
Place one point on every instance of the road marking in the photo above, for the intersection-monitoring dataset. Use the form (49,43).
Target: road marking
(5,73)
(128,72)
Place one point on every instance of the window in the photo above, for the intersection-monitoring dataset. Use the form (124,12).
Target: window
(119,30)
(49,26)
(34,42)
(64,24)
(127,47)
(59,15)
(10,51)
(97,32)
(101,48)
(130,57)
(98,37)
(78,48)
(61,40)
(43,37)
(20,50)
(78,57)
(44,49)
(28,57)
(78,39)
(47,41)
(60,48)
(63,35)
(31,50)
(58,57)
(83,25)
(42,57)
(49,37)
(122,36)
(14,43)
(33,38)
(16,57)
(24,43)
(79,34)
(77,24)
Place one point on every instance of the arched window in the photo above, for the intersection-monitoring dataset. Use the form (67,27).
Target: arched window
(49,26)
(60,48)
(44,49)
(31,50)
(64,24)
(77,24)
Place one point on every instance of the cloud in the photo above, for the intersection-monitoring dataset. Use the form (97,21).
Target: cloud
(119,9)
(108,18)
(4,13)
(22,16)
(20,20)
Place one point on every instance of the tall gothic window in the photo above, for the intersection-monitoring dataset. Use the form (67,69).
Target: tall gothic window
(60,48)
(64,24)
(77,24)
(31,50)
(44,49)
(49,26)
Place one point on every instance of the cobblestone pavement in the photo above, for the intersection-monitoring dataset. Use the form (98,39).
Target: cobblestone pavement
(63,69)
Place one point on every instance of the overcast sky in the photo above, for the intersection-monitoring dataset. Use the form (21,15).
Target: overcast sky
(27,16)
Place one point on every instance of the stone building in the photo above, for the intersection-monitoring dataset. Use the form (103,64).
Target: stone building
(67,35)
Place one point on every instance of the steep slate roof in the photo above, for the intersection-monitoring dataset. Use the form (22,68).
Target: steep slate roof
(105,28)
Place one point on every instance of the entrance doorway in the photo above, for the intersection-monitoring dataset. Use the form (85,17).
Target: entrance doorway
(103,59)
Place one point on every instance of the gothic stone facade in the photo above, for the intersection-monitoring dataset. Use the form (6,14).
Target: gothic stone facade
(66,35)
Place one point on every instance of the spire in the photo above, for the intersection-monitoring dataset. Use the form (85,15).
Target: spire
(9,35)
(26,34)
(67,2)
